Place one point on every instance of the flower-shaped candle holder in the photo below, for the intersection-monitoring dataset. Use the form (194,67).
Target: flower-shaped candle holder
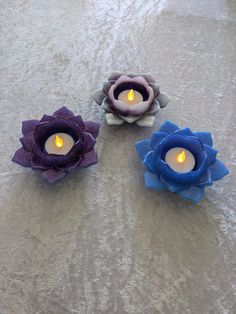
(131,98)
(57,144)
(180,161)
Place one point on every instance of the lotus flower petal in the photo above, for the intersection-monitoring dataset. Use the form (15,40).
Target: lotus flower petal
(205,179)
(185,132)
(47,118)
(79,121)
(148,120)
(22,157)
(157,137)
(143,148)
(205,137)
(149,161)
(92,128)
(193,194)
(129,119)
(163,99)
(29,126)
(27,141)
(168,127)
(148,77)
(89,159)
(211,154)
(155,88)
(114,76)
(112,119)
(218,170)
(53,175)
(152,181)
(174,186)
(89,142)
(63,112)
(98,96)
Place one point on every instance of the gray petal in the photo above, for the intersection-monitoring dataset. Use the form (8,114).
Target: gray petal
(114,76)
(112,119)
(106,105)
(148,77)
(98,96)
(155,88)
(163,99)
(147,120)
(129,119)
(107,86)
(155,108)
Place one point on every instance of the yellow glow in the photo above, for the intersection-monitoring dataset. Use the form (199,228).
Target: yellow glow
(181,157)
(59,141)
(131,95)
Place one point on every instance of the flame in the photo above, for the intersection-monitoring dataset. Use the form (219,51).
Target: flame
(131,95)
(181,157)
(59,141)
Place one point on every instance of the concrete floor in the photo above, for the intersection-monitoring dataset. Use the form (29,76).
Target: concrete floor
(99,242)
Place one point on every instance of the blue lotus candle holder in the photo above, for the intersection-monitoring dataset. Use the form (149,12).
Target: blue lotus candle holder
(180,161)
(57,144)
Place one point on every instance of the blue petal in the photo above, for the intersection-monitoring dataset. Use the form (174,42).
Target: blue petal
(168,127)
(205,137)
(143,147)
(186,132)
(149,161)
(211,154)
(157,137)
(174,186)
(153,182)
(218,170)
(205,179)
(193,194)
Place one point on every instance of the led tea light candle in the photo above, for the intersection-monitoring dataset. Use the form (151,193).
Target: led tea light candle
(180,159)
(131,98)
(59,144)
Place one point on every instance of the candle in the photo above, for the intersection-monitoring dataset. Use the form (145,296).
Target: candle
(130,97)
(59,144)
(180,159)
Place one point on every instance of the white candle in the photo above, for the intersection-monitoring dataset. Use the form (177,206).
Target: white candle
(59,144)
(180,159)
(130,97)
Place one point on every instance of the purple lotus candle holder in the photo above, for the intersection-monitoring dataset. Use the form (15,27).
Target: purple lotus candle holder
(57,144)
(131,98)
(180,161)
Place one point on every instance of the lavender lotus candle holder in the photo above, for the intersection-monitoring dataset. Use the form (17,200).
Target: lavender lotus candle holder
(131,98)
(57,144)
(180,161)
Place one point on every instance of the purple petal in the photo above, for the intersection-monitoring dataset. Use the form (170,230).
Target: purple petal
(89,142)
(37,164)
(79,121)
(22,157)
(92,128)
(27,141)
(47,118)
(53,175)
(89,159)
(63,112)
(29,126)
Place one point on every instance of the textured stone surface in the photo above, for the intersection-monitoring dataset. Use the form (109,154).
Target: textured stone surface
(99,242)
